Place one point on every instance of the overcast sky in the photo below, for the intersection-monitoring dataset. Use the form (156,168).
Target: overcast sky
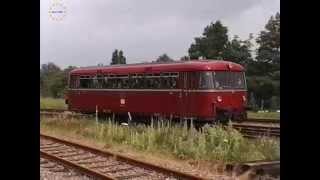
(143,29)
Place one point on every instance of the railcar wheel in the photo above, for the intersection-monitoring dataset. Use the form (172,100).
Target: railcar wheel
(223,118)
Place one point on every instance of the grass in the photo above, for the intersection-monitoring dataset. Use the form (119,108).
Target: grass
(51,103)
(211,144)
(269,115)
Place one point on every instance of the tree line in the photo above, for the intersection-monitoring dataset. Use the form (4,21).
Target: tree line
(262,63)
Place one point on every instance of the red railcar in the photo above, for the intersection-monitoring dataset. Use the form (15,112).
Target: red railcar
(203,90)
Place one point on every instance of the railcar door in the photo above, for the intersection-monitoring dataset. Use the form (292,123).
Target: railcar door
(184,94)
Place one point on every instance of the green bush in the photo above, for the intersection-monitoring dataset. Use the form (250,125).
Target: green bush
(52,103)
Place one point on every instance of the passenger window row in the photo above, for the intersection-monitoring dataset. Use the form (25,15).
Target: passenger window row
(135,81)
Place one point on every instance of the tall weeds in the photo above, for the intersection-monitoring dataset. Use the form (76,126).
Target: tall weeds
(210,143)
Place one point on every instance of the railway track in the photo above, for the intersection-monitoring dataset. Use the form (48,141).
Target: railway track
(64,111)
(54,110)
(261,168)
(50,169)
(256,131)
(262,120)
(103,165)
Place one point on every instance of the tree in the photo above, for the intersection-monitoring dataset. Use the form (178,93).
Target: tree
(114,59)
(252,101)
(269,44)
(275,102)
(185,58)
(57,84)
(215,44)
(262,89)
(46,69)
(263,74)
(48,72)
(118,57)
(238,51)
(122,59)
(69,68)
(212,44)
(53,80)
(164,58)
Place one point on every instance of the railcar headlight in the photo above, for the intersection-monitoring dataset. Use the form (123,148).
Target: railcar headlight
(244,98)
(219,98)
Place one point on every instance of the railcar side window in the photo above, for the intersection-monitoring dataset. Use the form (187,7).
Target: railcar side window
(100,81)
(86,82)
(140,81)
(168,80)
(229,80)
(173,82)
(125,83)
(156,80)
(221,80)
(105,83)
(164,83)
(237,80)
(132,81)
(206,81)
(149,83)
(112,82)
(74,82)
(152,81)
(157,83)
(95,82)
(136,81)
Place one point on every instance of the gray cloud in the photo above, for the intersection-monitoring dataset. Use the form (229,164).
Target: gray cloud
(144,29)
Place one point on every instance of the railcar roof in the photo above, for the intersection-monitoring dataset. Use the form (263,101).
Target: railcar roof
(177,66)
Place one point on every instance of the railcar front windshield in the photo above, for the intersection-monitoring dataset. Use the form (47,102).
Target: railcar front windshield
(222,80)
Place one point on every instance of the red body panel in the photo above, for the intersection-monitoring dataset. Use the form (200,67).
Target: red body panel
(194,104)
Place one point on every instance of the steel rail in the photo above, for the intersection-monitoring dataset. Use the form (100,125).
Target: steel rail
(254,131)
(75,166)
(253,120)
(121,158)
(261,167)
